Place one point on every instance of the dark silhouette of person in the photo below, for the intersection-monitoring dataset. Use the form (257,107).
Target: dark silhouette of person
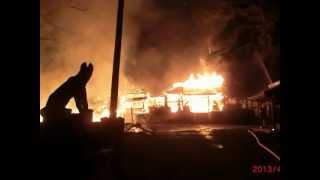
(74,87)
(64,138)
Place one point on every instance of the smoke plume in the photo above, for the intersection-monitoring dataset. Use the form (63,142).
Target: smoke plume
(163,42)
(235,38)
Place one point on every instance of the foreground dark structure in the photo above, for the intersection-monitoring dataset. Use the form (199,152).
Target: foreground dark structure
(183,151)
(68,139)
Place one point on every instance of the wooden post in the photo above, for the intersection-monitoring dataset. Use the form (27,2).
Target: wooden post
(116,62)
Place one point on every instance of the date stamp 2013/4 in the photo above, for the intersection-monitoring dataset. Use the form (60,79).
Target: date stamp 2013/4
(265,169)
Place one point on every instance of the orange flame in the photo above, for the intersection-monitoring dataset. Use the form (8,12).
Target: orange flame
(201,93)
(201,81)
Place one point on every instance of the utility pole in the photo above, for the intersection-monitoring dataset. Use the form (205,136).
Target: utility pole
(116,62)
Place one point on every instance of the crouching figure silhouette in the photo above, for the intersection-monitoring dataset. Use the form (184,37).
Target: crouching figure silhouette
(63,138)
(75,87)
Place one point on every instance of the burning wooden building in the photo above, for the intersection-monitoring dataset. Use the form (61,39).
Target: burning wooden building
(201,93)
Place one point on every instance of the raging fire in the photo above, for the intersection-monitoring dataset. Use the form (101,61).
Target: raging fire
(203,81)
(200,93)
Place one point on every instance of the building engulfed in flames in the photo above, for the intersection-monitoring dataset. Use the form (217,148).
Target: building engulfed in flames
(200,93)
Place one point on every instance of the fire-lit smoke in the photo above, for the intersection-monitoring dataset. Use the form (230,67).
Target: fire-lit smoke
(230,37)
(164,41)
(72,32)
(75,31)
